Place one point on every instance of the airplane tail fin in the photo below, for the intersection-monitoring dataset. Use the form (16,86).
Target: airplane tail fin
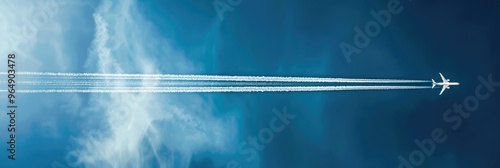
(433,83)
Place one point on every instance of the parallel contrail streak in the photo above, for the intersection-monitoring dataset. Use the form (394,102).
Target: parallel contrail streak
(221,89)
(138,82)
(107,76)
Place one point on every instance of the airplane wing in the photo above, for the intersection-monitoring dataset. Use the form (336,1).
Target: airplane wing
(443,78)
(442,90)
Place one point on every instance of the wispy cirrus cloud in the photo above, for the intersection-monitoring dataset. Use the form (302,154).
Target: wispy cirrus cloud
(145,130)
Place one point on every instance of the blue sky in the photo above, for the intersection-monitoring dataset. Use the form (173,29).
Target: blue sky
(285,38)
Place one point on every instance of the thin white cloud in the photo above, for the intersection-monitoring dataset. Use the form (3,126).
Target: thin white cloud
(35,31)
(144,130)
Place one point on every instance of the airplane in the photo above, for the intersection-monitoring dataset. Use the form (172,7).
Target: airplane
(446,83)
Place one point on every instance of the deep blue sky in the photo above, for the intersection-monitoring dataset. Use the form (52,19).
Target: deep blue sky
(281,38)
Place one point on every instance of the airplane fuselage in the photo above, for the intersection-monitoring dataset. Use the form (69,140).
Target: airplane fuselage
(451,83)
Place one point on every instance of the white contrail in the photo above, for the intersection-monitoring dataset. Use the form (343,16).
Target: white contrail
(32,82)
(48,82)
(222,89)
(213,78)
